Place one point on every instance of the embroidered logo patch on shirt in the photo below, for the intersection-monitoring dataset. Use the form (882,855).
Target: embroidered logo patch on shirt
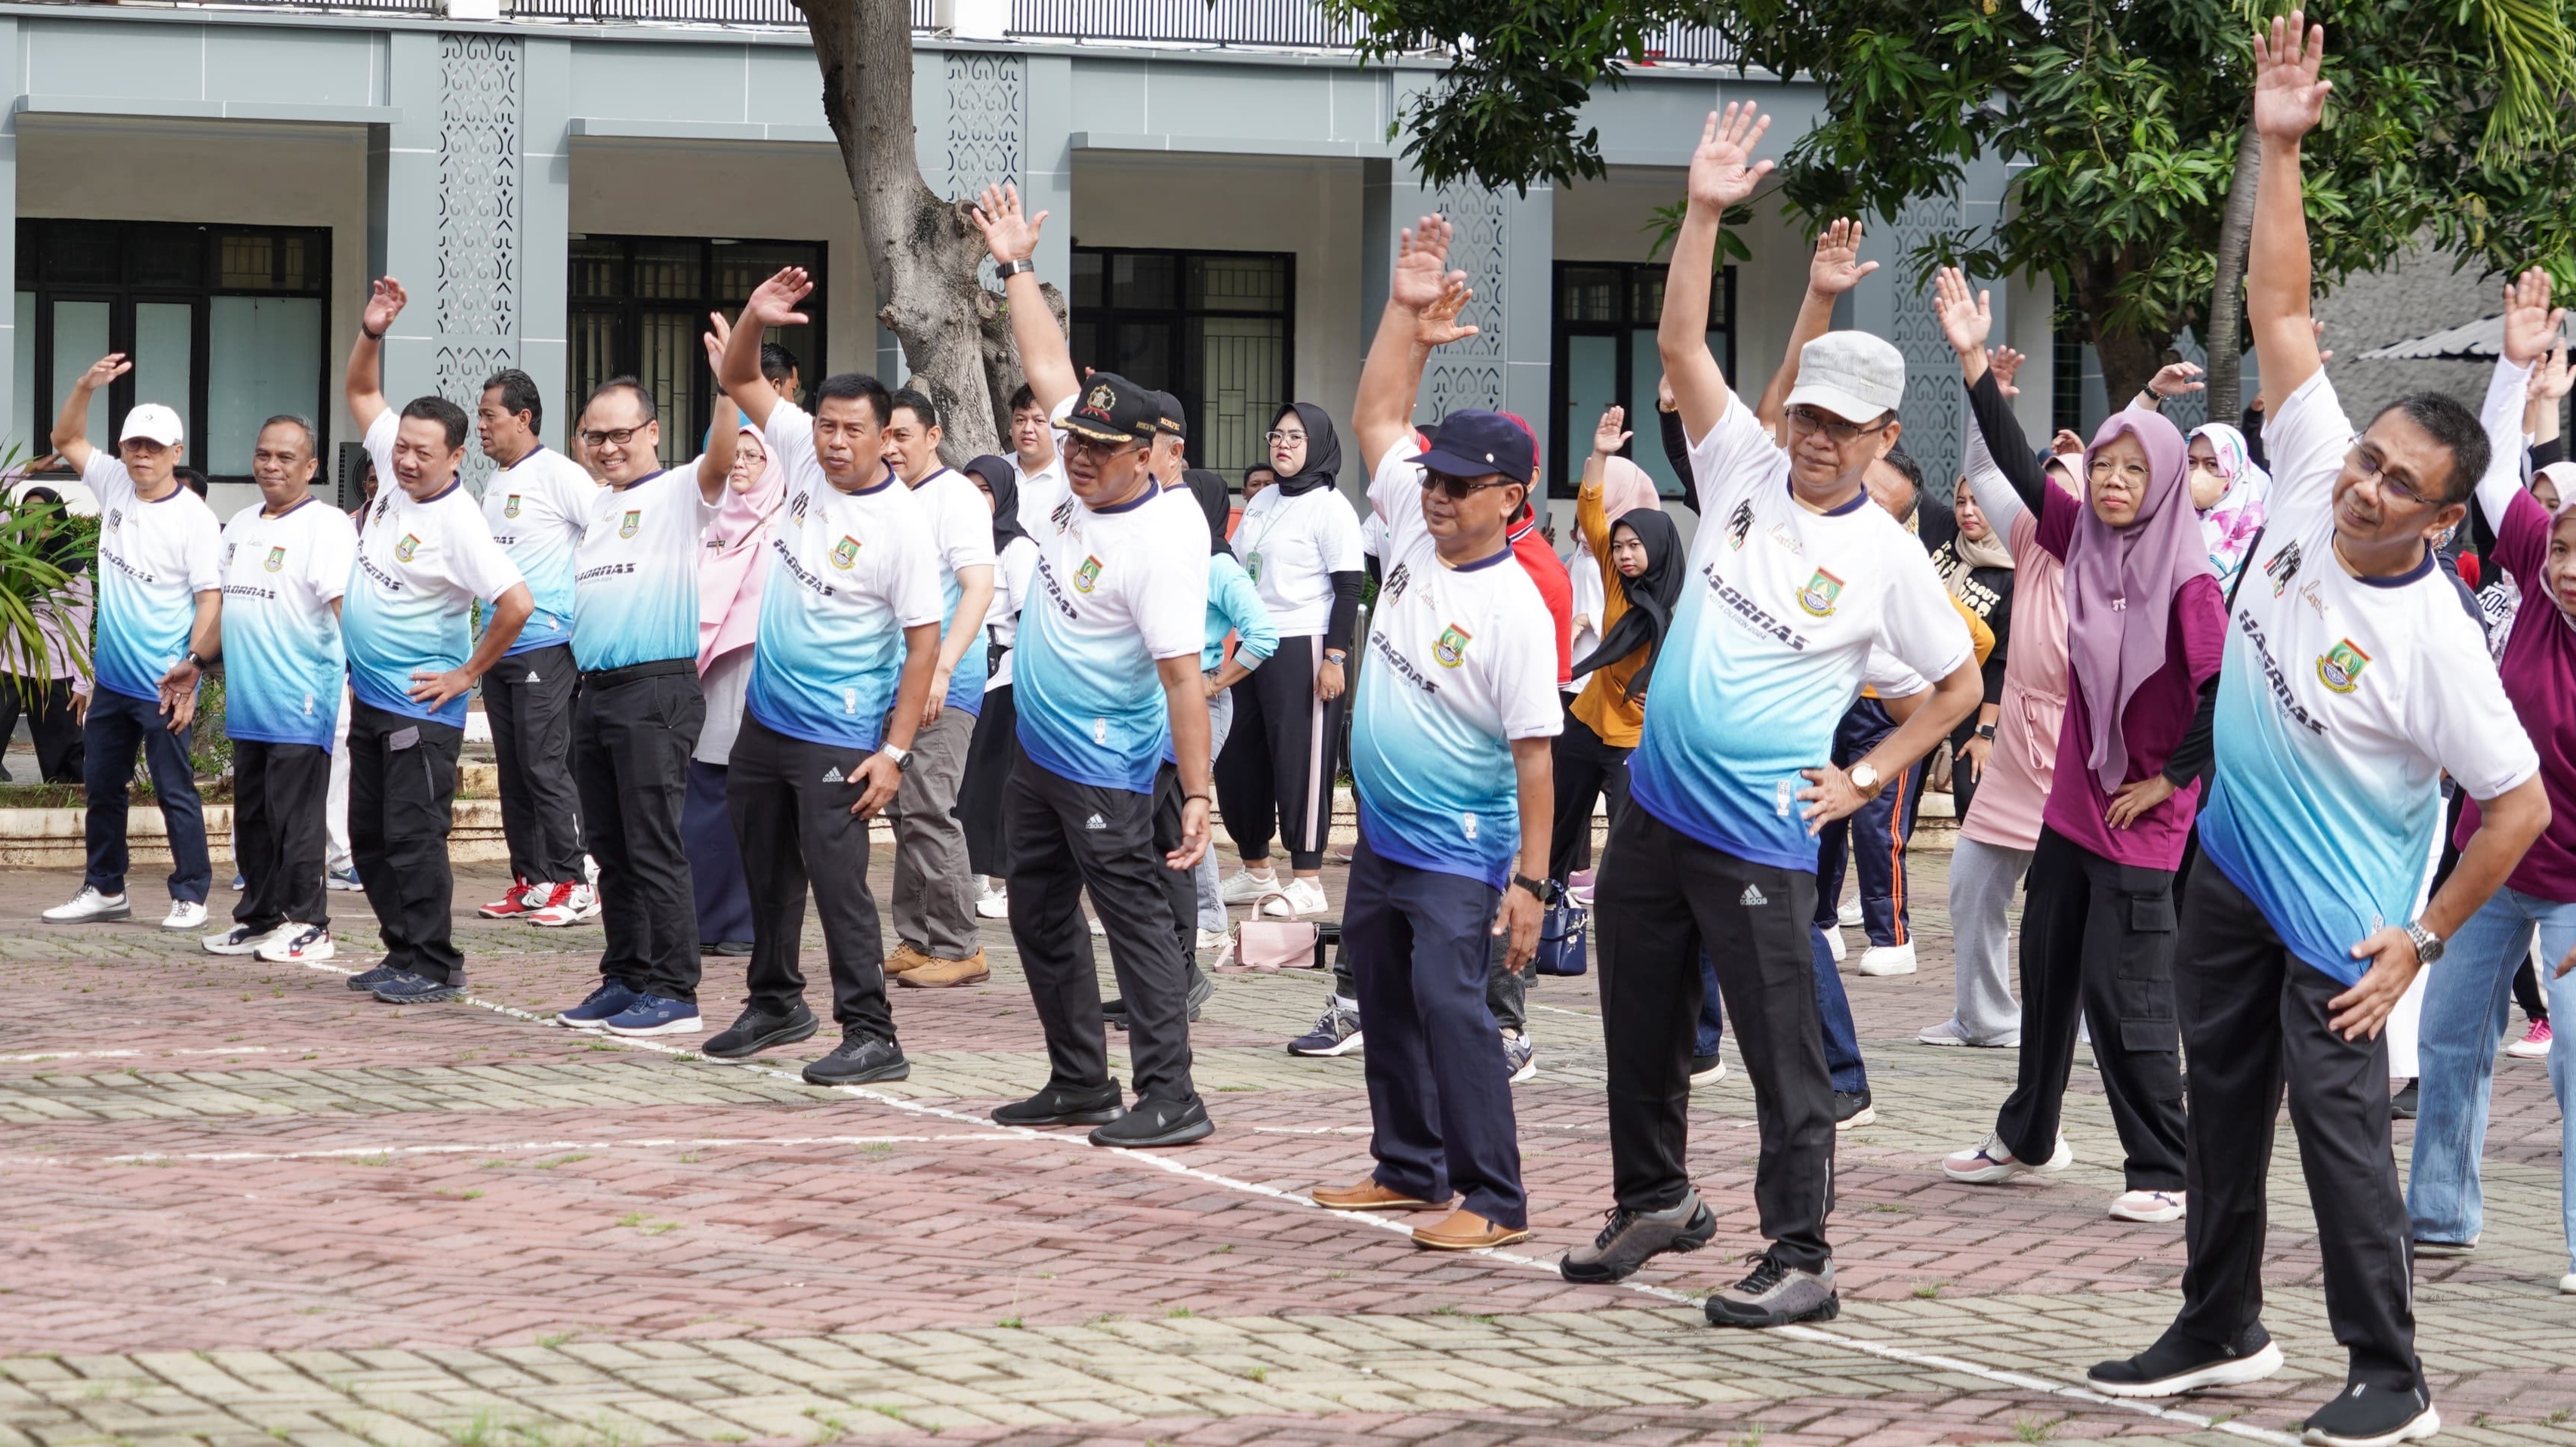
(845,552)
(1451,650)
(276,559)
(633,521)
(1820,594)
(409,545)
(2339,668)
(510,509)
(1087,576)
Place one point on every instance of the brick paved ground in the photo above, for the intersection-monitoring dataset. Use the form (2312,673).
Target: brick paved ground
(245,1204)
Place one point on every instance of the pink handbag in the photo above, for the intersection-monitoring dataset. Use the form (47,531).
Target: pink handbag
(1278,944)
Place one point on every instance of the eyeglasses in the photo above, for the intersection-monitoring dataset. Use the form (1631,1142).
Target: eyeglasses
(1460,489)
(1277,437)
(1096,448)
(2372,465)
(1836,430)
(617,436)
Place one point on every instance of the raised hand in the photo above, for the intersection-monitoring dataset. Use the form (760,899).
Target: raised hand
(1008,233)
(1837,266)
(773,302)
(2551,379)
(2530,323)
(105,370)
(718,336)
(2176,378)
(1612,433)
(2006,365)
(384,303)
(1966,319)
(1723,171)
(1421,278)
(1437,325)
(2289,99)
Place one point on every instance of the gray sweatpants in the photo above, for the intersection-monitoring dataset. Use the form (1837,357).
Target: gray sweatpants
(934,884)
(1982,880)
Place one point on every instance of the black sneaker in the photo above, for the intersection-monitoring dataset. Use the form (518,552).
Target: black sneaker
(1629,1239)
(2368,1416)
(1057,1106)
(366,980)
(1851,1108)
(857,1060)
(406,988)
(1157,1123)
(1202,989)
(2178,1364)
(735,949)
(2402,1107)
(753,1032)
(1775,1293)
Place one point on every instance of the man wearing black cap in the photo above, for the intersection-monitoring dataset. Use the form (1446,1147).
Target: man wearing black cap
(1450,758)
(1107,667)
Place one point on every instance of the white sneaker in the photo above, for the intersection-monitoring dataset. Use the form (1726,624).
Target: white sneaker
(1993,1162)
(993,903)
(1302,896)
(575,904)
(1888,959)
(241,939)
(2567,1284)
(1210,939)
(1849,913)
(297,944)
(1715,1072)
(90,905)
(1520,1055)
(2152,1207)
(185,914)
(1098,932)
(1834,949)
(1246,887)
(590,873)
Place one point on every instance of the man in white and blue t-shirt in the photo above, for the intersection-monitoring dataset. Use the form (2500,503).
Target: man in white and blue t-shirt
(1107,668)
(1450,759)
(934,883)
(537,506)
(635,636)
(1798,586)
(425,558)
(159,604)
(843,666)
(286,565)
(2353,682)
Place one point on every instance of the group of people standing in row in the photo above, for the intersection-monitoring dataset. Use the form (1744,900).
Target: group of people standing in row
(2214,753)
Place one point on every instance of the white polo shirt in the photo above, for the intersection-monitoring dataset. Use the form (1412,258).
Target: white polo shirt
(154,558)
(421,568)
(635,574)
(537,508)
(283,659)
(961,532)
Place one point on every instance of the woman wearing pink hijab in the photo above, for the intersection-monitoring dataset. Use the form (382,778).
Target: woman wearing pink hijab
(2145,627)
(730,573)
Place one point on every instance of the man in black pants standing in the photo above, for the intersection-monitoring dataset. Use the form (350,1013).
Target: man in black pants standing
(1117,617)
(424,558)
(2353,681)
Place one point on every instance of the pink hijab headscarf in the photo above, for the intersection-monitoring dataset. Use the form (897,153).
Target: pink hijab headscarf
(736,563)
(1626,486)
(2111,647)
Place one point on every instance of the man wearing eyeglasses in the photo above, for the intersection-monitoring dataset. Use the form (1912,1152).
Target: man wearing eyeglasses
(635,639)
(1108,668)
(425,558)
(1798,588)
(1451,763)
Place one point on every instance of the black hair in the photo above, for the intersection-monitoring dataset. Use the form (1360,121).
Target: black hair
(915,402)
(776,362)
(2456,429)
(518,394)
(446,414)
(312,440)
(196,481)
(1023,398)
(857,387)
(623,383)
(1897,458)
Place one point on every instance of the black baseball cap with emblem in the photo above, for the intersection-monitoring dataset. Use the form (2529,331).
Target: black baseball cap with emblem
(1112,409)
(1169,418)
(1473,442)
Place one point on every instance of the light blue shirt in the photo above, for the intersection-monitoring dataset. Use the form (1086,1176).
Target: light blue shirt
(154,558)
(421,568)
(537,508)
(283,658)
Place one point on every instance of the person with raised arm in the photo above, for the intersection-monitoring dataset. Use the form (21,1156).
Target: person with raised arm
(1798,586)
(425,558)
(1106,668)
(843,670)
(2353,681)
(2464,1003)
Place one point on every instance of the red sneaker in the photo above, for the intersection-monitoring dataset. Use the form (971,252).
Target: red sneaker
(523,898)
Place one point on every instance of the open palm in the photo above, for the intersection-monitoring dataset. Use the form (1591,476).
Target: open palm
(1723,171)
(2289,99)
(2530,324)
(1421,277)
(1837,266)
(1967,318)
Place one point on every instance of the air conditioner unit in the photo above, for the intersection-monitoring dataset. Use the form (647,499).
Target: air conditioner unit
(973,19)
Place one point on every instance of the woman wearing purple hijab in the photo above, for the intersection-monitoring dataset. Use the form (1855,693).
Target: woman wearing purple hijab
(2145,628)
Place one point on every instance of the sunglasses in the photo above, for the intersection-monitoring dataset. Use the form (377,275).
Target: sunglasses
(1102,450)
(1460,489)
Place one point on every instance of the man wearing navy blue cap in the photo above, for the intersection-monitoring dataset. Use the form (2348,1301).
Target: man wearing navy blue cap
(1450,759)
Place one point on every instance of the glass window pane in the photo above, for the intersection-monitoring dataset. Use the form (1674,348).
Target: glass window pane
(1591,384)
(80,338)
(667,271)
(595,266)
(263,357)
(164,361)
(1648,295)
(165,256)
(594,360)
(1142,353)
(22,381)
(1087,290)
(744,265)
(1239,284)
(297,270)
(1243,381)
(670,360)
(1591,293)
(76,251)
(248,262)
(1144,280)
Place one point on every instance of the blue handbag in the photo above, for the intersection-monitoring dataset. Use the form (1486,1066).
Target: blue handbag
(1560,940)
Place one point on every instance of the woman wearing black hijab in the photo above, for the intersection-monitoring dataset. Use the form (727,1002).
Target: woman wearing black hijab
(1300,541)
(994,747)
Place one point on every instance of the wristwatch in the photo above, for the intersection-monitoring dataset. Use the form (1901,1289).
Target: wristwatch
(902,757)
(1986,732)
(1546,891)
(2428,945)
(1008,269)
(1864,777)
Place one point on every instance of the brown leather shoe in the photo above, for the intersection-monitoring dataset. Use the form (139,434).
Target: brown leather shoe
(1368,1195)
(904,960)
(938,974)
(1464,1230)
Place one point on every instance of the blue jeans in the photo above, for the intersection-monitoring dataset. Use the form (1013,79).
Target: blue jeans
(1712,1012)
(118,724)
(2463,1026)
(1833,1009)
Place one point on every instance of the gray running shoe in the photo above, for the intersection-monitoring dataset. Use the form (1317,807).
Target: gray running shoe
(1631,1238)
(1776,1294)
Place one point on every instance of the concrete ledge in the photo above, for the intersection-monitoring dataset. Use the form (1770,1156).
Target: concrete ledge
(201,110)
(1226,145)
(625,129)
(56,838)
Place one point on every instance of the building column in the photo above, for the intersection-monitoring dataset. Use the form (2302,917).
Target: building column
(1506,245)
(30,433)
(545,232)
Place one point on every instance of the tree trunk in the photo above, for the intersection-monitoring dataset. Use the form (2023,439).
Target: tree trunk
(2128,361)
(2227,297)
(925,254)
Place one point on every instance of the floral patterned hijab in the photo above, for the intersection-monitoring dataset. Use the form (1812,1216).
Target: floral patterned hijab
(2230,525)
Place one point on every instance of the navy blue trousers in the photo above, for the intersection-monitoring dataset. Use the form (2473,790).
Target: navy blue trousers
(715,862)
(1440,1096)
(118,724)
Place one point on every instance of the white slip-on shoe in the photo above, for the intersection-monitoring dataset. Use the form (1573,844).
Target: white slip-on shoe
(185,914)
(1993,1162)
(1246,887)
(90,905)
(1888,959)
(1302,896)
(2154,1208)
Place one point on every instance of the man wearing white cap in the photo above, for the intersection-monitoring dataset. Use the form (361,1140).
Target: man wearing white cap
(1797,588)
(160,568)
